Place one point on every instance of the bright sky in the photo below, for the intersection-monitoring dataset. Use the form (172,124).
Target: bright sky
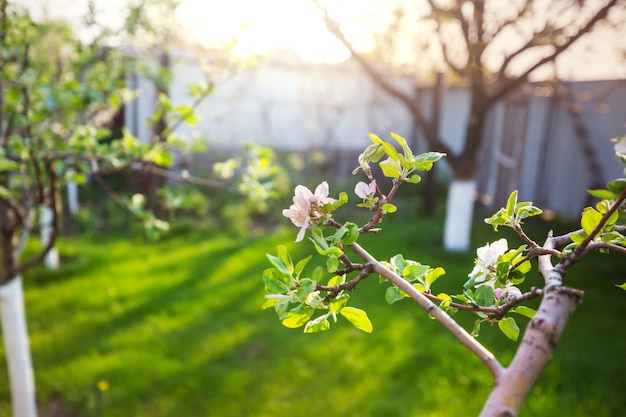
(261,26)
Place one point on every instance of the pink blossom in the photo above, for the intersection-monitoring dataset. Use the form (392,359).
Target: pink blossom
(305,208)
(498,293)
(364,190)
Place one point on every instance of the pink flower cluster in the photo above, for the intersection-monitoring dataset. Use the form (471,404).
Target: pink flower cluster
(304,211)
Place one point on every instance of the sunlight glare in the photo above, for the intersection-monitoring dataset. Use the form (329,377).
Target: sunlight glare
(261,27)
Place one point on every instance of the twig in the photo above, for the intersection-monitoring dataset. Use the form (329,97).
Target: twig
(581,249)
(490,361)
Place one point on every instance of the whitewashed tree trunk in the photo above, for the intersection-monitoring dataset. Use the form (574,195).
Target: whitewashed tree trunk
(16,346)
(459,213)
(45,227)
(72,197)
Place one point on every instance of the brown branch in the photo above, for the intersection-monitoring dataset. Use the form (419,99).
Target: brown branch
(334,290)
(580,250)
(494,313)
(605,245)
(53,188)
(512,20)
(509,84)
(431,135)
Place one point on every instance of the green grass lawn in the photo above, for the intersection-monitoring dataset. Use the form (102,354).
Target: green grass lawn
(174,328)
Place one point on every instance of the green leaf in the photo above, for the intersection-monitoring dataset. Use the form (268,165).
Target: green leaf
(279,264)
(602,194)
(275,282)
(389,208)
(281,309)
(590,219)
(524,311)
(338,303)
(394,294)
(318,273)
(320,324)
(509,328)
(332,264)
(8,165)
(424,162)
(414,179)
(510,204)
(578,237)
(623,286)
(283,255)
(445,300)
(414,271)
(390,168)
(336,280)
(307,285)
(484,296)
(407,151)
(476,329)
(528,211)
(617,186)
(297,319)
(4,192)
(433,274)
(388,147)
(358,318)
(399,262)
(352,233)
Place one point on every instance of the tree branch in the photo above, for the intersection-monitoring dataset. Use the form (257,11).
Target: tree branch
(580,250)
(448,322)
(430,134)
(508,84)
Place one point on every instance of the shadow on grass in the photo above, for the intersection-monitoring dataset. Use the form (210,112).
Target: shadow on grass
(175,328)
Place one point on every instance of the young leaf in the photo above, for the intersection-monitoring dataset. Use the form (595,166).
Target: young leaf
(623,286)
(414,179)
(617,186)
(590,220)
(279,264)
(407,151)
(433,274)
(510,204)
(509,328)
(336,304)
(390,168)
(602,194)
(484,296)
(295,320)
(336,280)
(394,294)
(445,300)
(275,282)
(318,325)
(389,208)
(358,318)
(524,311)
(332,264)
(352,233)
(283,255)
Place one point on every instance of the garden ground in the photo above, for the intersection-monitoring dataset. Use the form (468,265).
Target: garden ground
(174,328)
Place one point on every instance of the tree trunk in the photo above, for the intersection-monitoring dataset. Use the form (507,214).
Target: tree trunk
(16,345)
(459,214)
(535,352)
(45,227)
